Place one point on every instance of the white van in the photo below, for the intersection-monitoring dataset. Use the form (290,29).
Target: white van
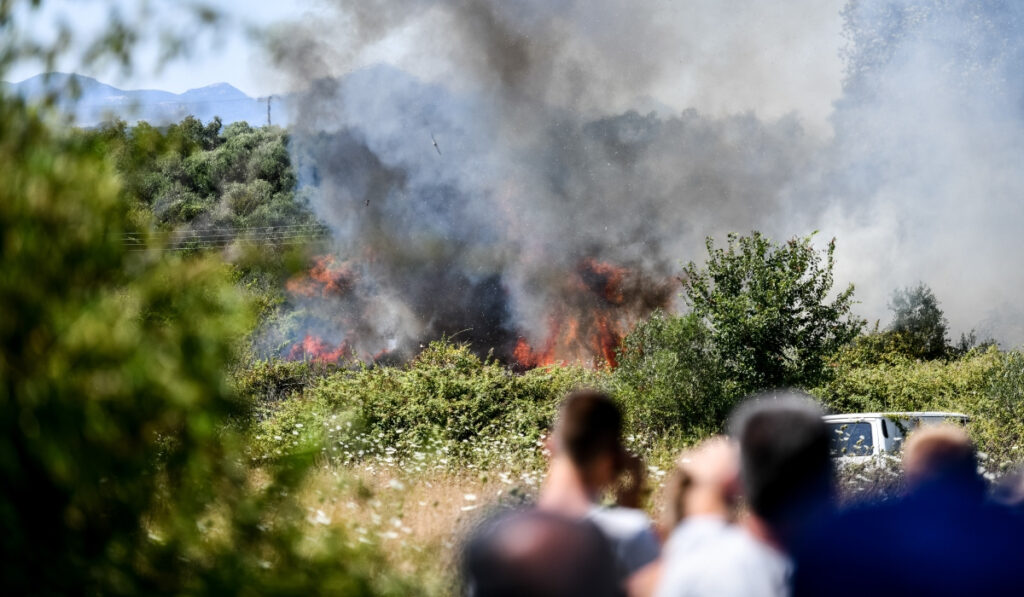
(862,436)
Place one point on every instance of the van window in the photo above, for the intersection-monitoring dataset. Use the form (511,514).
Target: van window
(851,439)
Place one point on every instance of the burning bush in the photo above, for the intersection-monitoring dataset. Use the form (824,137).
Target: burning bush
(597,303)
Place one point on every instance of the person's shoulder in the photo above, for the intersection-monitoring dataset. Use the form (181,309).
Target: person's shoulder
(755,552)
(632,534)
(694,532)
(722,559)
(621,521)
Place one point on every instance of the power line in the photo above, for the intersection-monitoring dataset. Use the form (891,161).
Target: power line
(235,232)
(223,237)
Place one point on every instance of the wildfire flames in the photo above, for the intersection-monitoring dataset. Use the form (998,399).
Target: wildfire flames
(599,303)
(325,278)
(603,302)
(315,348)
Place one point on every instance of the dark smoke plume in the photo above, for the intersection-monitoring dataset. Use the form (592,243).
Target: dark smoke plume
(506,194)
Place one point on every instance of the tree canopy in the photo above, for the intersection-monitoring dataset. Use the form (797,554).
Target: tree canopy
(919,320)
(770,310)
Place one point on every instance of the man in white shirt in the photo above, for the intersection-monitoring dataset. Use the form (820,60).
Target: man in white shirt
(786,478)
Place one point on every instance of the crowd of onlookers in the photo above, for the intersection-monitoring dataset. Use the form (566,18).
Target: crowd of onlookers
(753,513)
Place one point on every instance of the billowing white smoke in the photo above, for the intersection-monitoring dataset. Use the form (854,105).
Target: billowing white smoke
(924,180)
(537,172)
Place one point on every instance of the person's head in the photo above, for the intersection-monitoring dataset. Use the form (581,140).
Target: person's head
(785,467)
(705,481)
(588,432)
(937,453)
(538,553)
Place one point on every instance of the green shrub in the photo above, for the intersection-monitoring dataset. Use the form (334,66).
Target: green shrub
(261,383)
(671,380)
(899,383)
(445,397)
(998,423)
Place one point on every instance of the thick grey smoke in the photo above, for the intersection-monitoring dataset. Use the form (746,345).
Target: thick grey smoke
(504,190)
(924,180)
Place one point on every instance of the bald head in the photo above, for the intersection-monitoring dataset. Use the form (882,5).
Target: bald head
(539,553)
(939,451)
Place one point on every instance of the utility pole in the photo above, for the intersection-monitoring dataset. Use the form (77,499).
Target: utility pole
(268,109)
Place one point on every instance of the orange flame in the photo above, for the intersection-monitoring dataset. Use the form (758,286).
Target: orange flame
(315,348)
(564,345)
(597,302)
(325,278)
(591,330)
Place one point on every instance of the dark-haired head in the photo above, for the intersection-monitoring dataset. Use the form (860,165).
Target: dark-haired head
(589,432)
(785,468)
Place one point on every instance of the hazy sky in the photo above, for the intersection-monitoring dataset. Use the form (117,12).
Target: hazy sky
(787,53)
(234,57)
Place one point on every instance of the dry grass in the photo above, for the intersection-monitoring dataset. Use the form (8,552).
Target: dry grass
(418,520)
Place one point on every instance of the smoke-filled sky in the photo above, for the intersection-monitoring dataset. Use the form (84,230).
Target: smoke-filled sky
(571,132)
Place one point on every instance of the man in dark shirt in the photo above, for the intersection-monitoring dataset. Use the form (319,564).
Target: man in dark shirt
(944,537)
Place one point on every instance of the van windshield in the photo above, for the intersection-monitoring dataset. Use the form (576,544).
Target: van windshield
(851,439)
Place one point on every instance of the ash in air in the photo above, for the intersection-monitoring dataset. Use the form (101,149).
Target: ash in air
(508,193)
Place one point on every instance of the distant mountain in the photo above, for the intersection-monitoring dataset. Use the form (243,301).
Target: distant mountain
(99,102)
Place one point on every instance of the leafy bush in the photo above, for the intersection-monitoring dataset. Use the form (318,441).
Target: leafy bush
(447,396)
(899,383)
(264,382)
(998,424)
(671,379)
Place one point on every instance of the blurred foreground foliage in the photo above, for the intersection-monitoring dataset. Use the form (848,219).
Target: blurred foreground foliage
(121,449)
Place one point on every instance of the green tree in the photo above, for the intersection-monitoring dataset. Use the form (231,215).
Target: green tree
(769,310)
(919,320)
